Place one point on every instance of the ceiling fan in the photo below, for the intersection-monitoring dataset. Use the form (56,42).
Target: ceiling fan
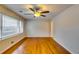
(37,12)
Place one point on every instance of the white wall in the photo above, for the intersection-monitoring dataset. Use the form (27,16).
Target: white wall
(37,28)
(66,29)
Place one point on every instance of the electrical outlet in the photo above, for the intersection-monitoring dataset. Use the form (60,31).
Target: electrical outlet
(12,42)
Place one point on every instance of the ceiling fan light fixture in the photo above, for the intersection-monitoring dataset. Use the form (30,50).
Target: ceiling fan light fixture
(37,14)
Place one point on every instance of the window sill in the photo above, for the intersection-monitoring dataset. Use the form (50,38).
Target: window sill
(9,36)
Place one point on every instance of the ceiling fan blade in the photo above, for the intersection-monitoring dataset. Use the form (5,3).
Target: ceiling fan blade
(32,9)
(45,12)
(43,15)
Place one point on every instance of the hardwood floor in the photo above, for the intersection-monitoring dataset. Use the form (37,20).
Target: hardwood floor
(37,46)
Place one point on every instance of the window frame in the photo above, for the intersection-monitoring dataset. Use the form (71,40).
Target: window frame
(11,35)
(1,25)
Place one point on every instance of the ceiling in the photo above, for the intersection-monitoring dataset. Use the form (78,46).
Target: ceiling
(54,9)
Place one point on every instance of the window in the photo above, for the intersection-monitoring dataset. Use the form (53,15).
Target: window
(10,26)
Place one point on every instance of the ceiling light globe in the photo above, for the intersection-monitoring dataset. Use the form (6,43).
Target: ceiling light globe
(37,14)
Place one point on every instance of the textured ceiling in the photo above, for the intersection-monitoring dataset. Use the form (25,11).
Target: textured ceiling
(54,9)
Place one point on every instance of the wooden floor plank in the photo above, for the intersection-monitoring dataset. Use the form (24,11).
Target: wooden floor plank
(38,46)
